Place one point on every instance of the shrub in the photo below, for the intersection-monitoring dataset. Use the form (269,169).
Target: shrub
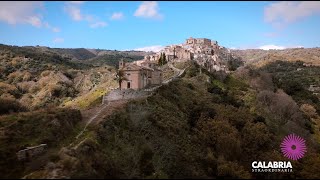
(192,72)
(10,105)
(190,86)
(309,110)
(228,169)
(214,89)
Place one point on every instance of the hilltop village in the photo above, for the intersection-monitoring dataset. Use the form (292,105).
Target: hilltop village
(205,52)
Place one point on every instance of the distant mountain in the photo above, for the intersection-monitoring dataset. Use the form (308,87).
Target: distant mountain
(112,59)
(77,53)
(261,57)
(86,54)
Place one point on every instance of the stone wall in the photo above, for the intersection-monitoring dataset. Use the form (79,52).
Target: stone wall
(156,78)
(30,152)
(125,94)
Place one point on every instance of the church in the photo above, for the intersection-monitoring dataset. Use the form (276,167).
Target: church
(146,74)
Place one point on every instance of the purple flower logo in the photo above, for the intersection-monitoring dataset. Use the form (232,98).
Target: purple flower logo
(293,147)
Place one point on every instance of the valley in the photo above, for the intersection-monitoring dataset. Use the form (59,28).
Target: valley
(200,123)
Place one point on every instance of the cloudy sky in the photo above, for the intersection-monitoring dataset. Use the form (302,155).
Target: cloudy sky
(152,25)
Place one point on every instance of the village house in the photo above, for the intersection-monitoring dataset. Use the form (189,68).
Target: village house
(206,52)
(201,41)
(146,73)
(136,77)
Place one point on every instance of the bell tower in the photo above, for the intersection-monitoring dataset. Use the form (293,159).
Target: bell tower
(121,63)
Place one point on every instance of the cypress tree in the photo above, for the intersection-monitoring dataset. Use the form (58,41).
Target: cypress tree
(160,60)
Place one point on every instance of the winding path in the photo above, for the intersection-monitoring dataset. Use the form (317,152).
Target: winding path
(98,113)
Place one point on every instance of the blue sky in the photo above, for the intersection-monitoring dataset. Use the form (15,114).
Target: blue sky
(152,25)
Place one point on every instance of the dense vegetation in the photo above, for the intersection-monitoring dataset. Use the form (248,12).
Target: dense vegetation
(18,131)
(295,79)
(260,57)
(40,60)
(202,126)
(77,53)
(35,77)
(113,59)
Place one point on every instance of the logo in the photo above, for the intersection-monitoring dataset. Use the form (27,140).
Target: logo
(293,147)
(271,166)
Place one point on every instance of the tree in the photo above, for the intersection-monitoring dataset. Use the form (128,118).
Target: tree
(164,61)
(160,59)
(120,77)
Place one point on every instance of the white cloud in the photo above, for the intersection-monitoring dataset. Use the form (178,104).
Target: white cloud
(89,18)
(73,8)
(233,48)
(21,12)
(284,12)
(58,40)
(55,29)
(74,11)
(35,21)
(155,48)
(117,16)
(148,9)
(98,24)
(48,26)
(271,46)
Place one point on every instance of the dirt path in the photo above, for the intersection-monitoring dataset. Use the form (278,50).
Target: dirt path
(95,115)
(76,86)
(178,73)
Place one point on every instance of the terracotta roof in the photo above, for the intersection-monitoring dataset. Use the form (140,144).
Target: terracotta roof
(134,67)
(147,68)
(131,67)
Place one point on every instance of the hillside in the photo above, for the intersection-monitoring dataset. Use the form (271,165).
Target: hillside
(260,57)
(201,126)
(33,79)
(38,77)
(76,53)
(82,54)
(113,59)
(18,131)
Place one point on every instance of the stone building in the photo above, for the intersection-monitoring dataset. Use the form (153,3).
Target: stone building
(205,52)
(202,41)
(154,57)
(147,74)
(182,53)
(176,52)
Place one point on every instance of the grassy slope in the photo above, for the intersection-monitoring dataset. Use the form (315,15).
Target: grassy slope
(52,127)
(189,128)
